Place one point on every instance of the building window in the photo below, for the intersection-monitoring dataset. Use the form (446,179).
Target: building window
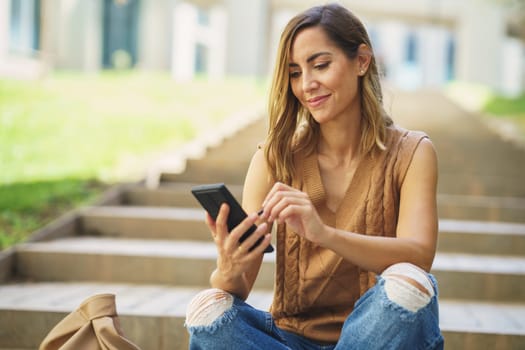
(203,17)
(451,57)
(120,33)
(411,48)
(24,30)
(201,59)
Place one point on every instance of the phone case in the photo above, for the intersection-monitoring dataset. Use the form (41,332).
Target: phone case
(211,196)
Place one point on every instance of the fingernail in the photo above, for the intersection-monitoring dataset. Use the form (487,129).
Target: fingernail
(260,212)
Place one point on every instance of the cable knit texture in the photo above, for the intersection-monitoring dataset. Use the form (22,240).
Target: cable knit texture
(315,288)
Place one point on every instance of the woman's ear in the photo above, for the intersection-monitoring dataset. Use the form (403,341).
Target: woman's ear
(364,57)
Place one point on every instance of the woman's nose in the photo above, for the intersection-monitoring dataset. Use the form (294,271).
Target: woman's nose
(309,82)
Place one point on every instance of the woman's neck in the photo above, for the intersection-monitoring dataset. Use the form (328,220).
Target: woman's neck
(340,142)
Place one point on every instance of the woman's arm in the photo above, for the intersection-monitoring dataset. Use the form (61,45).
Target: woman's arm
(237,268)
(416,229)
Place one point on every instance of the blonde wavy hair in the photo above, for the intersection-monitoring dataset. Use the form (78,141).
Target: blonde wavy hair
(291,127)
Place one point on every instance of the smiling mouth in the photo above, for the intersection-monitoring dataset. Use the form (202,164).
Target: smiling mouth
(316,101)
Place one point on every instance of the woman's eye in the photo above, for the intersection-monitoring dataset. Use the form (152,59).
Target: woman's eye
(323,65)
(295,74)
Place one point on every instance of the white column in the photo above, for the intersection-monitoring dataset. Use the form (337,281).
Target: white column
(217,43)
(92,36)
(49,34)
(248,35)
(4,36)
(279,19)
(480,36)
(393,43)
(154,34)
(79,42)
(433,43)
(185,23)
(5,10)
(513,67)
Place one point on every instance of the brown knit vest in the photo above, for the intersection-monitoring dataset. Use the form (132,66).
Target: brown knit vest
(315,289)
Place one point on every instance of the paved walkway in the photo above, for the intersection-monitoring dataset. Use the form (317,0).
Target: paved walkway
(473,159)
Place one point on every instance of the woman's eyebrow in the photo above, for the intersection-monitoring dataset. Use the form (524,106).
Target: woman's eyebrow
(311,58)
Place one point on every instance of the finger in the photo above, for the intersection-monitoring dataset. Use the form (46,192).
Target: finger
(283,199)
(293,210)
(259,250)
(221,223)
(240,229)
(277,192)
(252,239)
(211,225)
(278,186)
(209,221)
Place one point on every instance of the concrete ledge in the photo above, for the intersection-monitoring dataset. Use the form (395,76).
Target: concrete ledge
(7,264)
(481,237)
(66,225)
(169,195)
(145,222)
(153,316)
(139,261)
(461,276)
(482,208)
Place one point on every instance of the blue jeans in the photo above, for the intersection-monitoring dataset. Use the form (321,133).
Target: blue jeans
(375,323)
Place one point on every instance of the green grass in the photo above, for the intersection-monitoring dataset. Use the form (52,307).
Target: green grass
(504,106)
(481,98)
(499,108)
(27,206)
(510,111)
(66,138)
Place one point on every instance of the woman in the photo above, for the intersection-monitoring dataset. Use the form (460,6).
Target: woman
(354,200)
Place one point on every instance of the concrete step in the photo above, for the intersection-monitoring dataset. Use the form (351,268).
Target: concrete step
(227,162)
(190,263)
(152,316)
(241,145)
(205,171)
(145,222)
(450,206)
(473,160)
(483,208)
(481,237)
(478,163)
(480,184)
(168,195)
(487,154)
(480,277)
(482,325)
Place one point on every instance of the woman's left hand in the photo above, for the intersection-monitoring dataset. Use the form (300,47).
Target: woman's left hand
(285,204)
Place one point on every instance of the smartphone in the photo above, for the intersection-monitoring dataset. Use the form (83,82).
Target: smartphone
(211,196)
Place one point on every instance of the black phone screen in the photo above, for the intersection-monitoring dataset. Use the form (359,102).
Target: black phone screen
(211,197)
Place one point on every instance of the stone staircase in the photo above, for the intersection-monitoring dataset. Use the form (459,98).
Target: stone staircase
(151,248)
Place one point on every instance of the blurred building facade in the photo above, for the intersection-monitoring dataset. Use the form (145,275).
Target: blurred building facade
(418,42)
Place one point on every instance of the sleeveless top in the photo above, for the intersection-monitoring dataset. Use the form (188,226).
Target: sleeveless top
(315,289)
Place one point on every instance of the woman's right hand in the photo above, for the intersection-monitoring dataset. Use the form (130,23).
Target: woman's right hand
(235,259)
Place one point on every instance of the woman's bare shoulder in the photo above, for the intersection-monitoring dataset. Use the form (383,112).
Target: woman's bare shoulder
(257,182)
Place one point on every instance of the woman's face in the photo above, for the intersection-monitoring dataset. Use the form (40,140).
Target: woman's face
(322,77)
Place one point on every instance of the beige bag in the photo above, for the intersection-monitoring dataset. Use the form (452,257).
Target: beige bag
(93,326)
